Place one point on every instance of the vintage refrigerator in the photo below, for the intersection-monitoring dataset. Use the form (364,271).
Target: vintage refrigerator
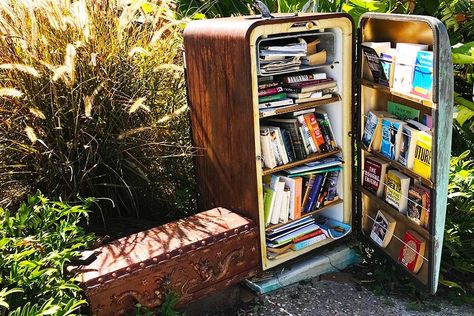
(222,73)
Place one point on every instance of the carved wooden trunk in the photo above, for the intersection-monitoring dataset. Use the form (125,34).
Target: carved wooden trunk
(191,257)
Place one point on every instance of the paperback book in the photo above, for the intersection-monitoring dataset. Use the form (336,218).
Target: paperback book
(412,252)
(391,138)
(396,190)
(422,160)
(374,175)
(382,229)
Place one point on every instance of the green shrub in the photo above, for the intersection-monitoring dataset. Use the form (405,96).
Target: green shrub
(36,244)
(92,97)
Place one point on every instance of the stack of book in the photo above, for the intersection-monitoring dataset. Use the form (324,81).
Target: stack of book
(288,197)
(308,87)
(271,94)
(303,233)
(295,136)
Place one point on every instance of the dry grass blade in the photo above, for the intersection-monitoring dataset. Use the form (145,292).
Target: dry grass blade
(23,68)
(138,104)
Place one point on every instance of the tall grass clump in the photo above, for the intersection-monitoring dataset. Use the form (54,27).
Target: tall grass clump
(92,103)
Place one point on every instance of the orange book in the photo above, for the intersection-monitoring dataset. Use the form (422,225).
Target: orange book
(308,236)
(319,138)
(298,196)
(312,132)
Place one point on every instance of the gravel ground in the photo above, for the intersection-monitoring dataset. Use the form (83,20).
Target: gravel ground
(327,297)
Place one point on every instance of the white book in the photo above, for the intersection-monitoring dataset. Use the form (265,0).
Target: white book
(266,147)
(285,206)
(405,59)
(279,191)
(407,146)
(274,104)
(291,184)
(280,144)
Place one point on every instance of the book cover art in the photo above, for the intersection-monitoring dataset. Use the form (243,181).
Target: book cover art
(403,112)
(373,180)
(396,190)
(382,229)
(415,205)
(391,134)
(273,97)
(332,179)
(371,121)
(423,74)
(412,252)
(268,157)
(407,146)
(422,162)
(268,202)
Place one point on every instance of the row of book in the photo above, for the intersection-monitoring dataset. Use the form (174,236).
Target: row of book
(294,136)
(408,142)
(398,190)
(408,68)
(294,89)
(289,197)
(412,251)
(302,233)
(275,57)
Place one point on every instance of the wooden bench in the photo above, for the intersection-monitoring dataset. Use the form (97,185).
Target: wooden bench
(192,257)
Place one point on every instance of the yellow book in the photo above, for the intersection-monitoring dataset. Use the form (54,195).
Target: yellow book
(422,163)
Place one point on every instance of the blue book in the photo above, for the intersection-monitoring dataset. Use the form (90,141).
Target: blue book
(385,145)
(308,242)
(423,74)
(318,181)
(391,138)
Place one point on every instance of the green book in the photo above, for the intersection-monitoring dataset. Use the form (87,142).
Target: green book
(403,112)
(268,202)
(273,97)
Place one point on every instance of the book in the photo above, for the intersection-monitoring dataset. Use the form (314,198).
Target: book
(316,165)
(316,131)
(262,86)
(326,123)
(382,229)
(303,77)
(403,112)
(294,187)
(268,203)
(311,88)
(321,196)
(406,54)
(386,61)
(280,249)
(407,146)
(279,188)
(301,84)
(423,75)
(419,126)
(391,138)
(374,175)
(289,148)
(308,242)
(313,97)
(332,180)
(268,157)
(310,121)
(396,190)
(269,91)
(307,192)
(272,97)
(295,234)
(426,200)
(310,146)
(412,252)
(415,209)
(423,152)
(318,181)
(292,126)
(372,52)
(276,146)
(373,134)
(307,236)
(427,121)
(273,104)
(285,205)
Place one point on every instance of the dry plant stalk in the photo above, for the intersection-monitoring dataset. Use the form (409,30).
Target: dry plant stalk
(75,77)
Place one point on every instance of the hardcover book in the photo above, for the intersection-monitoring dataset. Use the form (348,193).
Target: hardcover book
(391,137)
(274,104)
(396,190)
(269,91)
(273,97)
(407,146)
(382,229)
(304,77)
(413,251)
(422,162)
(374,175)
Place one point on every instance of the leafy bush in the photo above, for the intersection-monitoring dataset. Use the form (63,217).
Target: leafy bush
(92,97)
(36,244)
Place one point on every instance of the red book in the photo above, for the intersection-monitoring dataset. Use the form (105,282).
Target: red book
(307,236)
(413,251)
(374,175)
(267,85)
(269,91)
(319,138)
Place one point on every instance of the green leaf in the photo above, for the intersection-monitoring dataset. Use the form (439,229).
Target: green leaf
(464,114)
(462,59)
(450,284)
(464,49)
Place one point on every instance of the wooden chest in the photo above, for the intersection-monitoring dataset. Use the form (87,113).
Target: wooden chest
(191,257)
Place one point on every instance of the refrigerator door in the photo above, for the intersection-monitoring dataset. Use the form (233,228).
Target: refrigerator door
(384,87)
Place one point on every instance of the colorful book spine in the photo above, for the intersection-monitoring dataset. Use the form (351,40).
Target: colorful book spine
(267,85)
(273,97)
(371,121)
(306,77)
(269,91)
(308,242)
(314,193)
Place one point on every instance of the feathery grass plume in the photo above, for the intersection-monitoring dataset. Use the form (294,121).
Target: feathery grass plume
(138,104)
(31,134)
(10,92)
(24,68)
(84,69)
(168,117)
(37,113)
